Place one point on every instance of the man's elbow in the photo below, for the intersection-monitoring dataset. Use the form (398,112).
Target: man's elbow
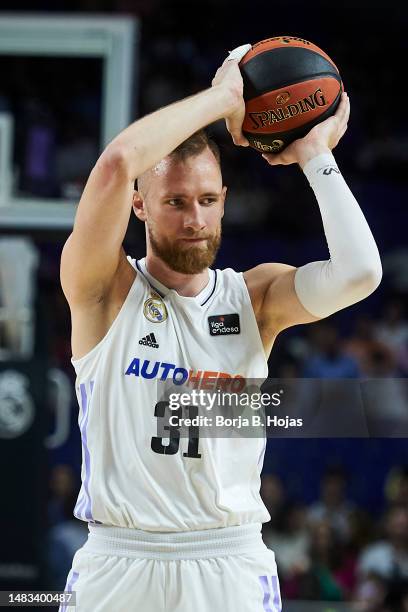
(113,162)
(366,279)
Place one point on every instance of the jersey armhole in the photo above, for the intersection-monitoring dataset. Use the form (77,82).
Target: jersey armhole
(255,322)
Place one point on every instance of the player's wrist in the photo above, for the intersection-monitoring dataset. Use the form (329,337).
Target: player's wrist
(308,151)
(230,99)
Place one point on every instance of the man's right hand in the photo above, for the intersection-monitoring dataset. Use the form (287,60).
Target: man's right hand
(229,77)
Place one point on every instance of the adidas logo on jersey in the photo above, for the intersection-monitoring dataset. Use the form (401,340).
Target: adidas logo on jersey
(149,340)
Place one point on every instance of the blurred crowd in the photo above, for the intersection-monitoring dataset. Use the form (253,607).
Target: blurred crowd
(376,347)
(333,550)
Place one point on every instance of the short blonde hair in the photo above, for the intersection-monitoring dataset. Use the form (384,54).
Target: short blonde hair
(194,145)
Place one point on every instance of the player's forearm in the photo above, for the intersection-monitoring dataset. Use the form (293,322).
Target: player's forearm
(354,269)
(150,139)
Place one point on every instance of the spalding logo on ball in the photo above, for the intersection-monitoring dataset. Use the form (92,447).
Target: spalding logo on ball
(290,85)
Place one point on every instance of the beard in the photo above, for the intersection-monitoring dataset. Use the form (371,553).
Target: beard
(186,260)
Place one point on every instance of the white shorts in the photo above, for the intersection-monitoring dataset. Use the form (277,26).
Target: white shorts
(127,570)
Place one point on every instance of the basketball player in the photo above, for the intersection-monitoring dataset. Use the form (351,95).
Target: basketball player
(177,527)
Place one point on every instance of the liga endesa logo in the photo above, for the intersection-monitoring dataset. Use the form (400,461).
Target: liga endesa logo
(223,325)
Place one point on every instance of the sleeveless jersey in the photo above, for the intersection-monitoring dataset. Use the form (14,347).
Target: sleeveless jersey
(128,478)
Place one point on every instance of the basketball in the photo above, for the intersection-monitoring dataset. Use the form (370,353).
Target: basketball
(290,85)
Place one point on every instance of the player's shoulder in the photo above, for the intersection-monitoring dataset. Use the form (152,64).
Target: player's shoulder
(227,271)
(264,274)
(228,276)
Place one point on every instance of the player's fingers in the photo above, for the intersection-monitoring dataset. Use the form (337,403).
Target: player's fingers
(348,109)
(339,135)
(344,119)
(343,131)
(273,159)
(234,128)
(239,52)
(340,117)
(227,59)
(238,138)
(215,77)
(343,109)
(267,158)
(340,110)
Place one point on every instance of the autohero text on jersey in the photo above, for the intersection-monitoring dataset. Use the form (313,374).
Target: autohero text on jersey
(198,379)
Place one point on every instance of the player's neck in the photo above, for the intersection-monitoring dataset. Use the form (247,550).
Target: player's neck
(187,285)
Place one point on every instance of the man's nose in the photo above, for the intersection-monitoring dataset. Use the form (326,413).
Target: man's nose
(194,217)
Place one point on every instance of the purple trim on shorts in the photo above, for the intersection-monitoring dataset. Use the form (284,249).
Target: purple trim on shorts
(267,595)
(277,604)
(68,588)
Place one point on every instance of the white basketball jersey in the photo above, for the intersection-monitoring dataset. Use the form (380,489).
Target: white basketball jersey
(130,478)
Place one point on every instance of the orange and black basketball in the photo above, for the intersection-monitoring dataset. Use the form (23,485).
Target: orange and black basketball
(290,85)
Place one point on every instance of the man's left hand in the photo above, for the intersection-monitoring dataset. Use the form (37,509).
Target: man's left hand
(321,139)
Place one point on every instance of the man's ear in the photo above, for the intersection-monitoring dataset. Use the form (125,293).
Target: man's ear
(224,195)
(139,207)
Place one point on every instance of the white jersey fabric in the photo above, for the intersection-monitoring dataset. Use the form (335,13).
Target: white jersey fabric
(160,335)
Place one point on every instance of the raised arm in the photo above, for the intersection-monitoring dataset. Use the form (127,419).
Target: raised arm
(93,251)
(286,296)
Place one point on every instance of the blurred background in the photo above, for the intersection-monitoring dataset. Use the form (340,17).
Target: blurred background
(72,75)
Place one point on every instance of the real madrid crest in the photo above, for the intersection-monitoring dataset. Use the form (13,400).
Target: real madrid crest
(154,309)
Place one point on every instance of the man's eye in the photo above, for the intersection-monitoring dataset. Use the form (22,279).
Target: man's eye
(208,201)
(174,202)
